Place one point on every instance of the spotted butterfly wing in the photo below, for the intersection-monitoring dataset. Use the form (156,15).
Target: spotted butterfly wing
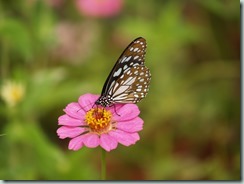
(128,81)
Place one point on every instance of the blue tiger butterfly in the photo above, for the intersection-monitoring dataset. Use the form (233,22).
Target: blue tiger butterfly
(128,81)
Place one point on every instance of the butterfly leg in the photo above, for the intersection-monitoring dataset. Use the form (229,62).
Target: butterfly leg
(115,110)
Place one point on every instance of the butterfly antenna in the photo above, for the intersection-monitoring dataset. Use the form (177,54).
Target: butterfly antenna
(85,107)
(78,110)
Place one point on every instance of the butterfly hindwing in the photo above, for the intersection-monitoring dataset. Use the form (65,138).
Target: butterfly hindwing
(133,86)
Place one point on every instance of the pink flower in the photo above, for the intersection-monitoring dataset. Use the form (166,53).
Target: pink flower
(99,8)
(89,125)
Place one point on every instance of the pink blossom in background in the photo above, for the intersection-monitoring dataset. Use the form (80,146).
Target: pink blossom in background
(95,126)
(74,42)
(99,8)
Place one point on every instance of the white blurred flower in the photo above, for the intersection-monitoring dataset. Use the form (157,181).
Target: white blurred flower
(12,92)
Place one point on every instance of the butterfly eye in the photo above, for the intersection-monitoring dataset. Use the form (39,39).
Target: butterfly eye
(129,80)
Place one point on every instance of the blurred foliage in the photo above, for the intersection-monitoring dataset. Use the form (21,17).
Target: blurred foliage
(191,114)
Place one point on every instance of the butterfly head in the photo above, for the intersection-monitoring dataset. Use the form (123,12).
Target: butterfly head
(104,101)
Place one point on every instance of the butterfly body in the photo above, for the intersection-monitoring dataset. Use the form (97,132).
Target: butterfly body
(128,81)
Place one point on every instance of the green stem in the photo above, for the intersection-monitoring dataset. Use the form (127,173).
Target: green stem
(103,164)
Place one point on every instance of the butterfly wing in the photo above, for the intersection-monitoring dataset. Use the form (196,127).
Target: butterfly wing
(133,55)
(129,79)
(132,86)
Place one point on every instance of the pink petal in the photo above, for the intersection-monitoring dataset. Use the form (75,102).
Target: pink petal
(91,140)
(108,142)
(69,121)
(76,143)
(126,112)
(133,125)
(115,108)
(102,8)
(86,101)
(71,132)
(125,138)
(74,110)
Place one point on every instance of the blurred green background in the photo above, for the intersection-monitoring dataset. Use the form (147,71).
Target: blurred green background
(53,51)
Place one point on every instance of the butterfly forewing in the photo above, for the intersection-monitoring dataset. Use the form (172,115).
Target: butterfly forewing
(129,79)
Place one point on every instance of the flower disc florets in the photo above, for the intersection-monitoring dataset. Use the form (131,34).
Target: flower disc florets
(99,120)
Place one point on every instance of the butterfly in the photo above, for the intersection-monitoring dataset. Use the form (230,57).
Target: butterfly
(128,81)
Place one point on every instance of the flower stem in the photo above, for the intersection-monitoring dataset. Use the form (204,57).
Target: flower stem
(103,164)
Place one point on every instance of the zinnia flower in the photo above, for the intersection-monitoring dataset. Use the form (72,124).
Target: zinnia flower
(99,8)
(91,126)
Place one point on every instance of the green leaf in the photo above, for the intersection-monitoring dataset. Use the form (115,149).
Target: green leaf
(16,35)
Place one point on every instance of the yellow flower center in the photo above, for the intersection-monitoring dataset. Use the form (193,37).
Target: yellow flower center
(98,120)
(12,92)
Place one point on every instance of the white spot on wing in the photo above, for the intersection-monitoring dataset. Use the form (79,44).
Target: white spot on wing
(120,90)
(116,85)
(117,72)
(136,57)
(125,66)
(123,60)
(128,58)
(135,49)
(135,95)
(130,80)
